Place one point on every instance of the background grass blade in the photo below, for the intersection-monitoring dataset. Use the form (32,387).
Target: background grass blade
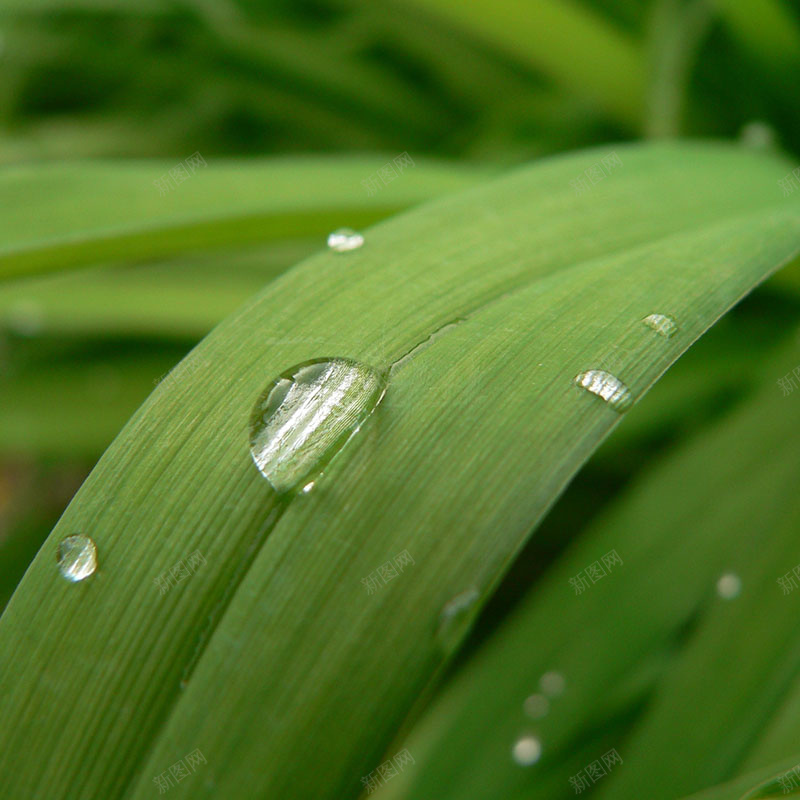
(484,306)
(83,213)
(603,62)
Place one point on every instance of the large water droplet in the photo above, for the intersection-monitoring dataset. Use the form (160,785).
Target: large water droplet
(307,415)
(345,239)
(527,750)
(729,586)
(552,683)
(662,324)
(607,386)
(77,557)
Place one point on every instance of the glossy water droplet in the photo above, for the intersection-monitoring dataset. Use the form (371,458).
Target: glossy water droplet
(729,586)
(77,557)
(527,750)
(552,683)
(456,617)
(607,386)
(344,240)
(307,415)
(536,706)
(662,324)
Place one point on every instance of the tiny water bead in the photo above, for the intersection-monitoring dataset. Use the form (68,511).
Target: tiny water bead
(527,750)
(552,683)
(606,386)
(729,586)
(77,557)
(307,414)
(345,239)
(662,324)
(455,618)
(536,706)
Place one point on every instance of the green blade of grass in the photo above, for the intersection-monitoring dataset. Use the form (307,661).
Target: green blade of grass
(601,62)
(697,515)
(483,307)
(182,298)
(71,214)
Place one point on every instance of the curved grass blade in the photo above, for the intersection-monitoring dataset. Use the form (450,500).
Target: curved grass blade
(81,213)
(482,308)
(698,514)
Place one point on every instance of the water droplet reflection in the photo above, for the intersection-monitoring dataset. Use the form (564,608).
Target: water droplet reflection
(527,750)
(606,386)
(729,586)
(77,557)
(662,324)
(307,415)
(552,683)
(345,239)
(536,706)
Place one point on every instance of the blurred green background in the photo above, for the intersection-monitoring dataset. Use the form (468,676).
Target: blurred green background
(293,105)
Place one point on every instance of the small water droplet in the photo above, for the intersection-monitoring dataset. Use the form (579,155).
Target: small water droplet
(344,240)
(536,706)
(77,557)
(606,386)
(308,487)
(527,750)
(662,324)
(456,617)
(552,683)
(758,135)
(306,416)
(729,586)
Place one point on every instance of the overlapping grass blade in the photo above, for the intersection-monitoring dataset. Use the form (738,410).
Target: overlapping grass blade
(697,515)
(484,307)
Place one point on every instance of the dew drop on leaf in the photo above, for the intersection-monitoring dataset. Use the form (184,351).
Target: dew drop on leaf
(662,324)
(455,618)
(606,386)
(306,416)
(344,240)
(729,586)
(552,683)
(527,750)
(536,706)
(77,557)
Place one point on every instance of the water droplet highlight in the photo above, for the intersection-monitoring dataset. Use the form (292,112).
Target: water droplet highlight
(729,586)
(77,557)
(527,750)
(552,683)
(536,706)
(662,324)
(345,239)
(605,385)
(306,416)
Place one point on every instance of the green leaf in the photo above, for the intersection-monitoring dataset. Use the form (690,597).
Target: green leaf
(73,214)
(600,62)
(697,514)
(481,308)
